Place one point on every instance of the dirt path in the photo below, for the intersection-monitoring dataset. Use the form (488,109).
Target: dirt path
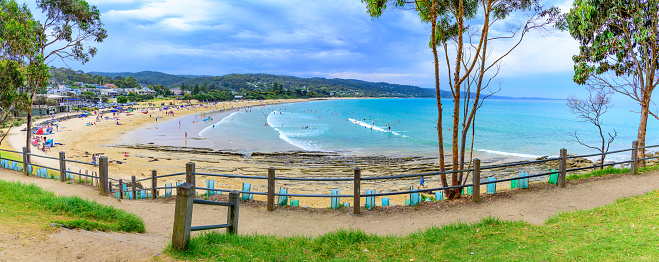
(534,206)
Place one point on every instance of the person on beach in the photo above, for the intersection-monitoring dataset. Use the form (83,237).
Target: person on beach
(93,158)
(125,155)
(186,135)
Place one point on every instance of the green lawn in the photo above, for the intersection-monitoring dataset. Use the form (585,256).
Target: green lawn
(29,205)
(625,230)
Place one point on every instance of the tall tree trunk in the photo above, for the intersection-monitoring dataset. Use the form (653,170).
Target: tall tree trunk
(641,130)
(29,133)
(440,137)
(455,193)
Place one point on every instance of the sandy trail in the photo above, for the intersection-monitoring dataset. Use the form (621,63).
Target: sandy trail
(535,206)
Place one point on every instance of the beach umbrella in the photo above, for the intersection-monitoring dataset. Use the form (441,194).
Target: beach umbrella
(40,131)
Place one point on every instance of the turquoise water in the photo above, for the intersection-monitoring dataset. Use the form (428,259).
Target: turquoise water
(511,128)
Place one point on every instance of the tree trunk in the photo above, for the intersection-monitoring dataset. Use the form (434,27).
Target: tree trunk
(440,137)
(29,133)
(641,131)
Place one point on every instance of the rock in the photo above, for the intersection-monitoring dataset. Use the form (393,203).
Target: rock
(542,158)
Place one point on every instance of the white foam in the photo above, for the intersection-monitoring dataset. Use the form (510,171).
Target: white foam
(354,121)
(286,136)
(224,120)
(507,153)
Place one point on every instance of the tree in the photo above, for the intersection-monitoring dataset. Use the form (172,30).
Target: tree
(465,26)
(591,110)
(619,50)
(122,99)
(131,82)
(68,25)
(21,62)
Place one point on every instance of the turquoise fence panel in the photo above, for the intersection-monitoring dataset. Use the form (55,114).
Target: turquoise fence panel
(282,200)
(370,201)
(407,202)
(385,201)
(143,194)
(129,195)
(246,187)
(439,195)
(117,195)
(295,203)
(491,188)
(346,204)
(553,178)
(210,184)
(524,182)
(168,191)
(69,175)
(335,200)
(414,199)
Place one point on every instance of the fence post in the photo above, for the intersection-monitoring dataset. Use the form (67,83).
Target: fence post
(271,188)
(357,194)
(103,175)
(62,166)
(121,189)
(634,165)
(134,187)
(563,167)
(232,216)
(26,161)
(189,175)
(476,191)
(183,216)
(154,184)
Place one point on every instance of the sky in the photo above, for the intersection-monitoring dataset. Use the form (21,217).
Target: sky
(307,38)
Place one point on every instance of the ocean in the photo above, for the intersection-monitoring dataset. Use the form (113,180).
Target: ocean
(507,128)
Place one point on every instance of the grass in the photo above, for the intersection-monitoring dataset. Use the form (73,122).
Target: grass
(22,205)
(625,230)
(609,171)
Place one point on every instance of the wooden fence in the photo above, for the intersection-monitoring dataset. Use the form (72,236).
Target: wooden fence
(119,187)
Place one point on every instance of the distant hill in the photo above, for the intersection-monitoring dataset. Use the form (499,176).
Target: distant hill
(260,82)
(241,83)
(148,77)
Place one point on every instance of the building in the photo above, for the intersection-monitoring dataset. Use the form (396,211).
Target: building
(176,91)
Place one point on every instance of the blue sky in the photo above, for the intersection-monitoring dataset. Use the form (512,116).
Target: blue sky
(305,38)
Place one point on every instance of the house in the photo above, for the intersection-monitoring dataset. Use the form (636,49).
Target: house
(112,86)
(176,91)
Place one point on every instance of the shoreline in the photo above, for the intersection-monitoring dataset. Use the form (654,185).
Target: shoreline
(80,141)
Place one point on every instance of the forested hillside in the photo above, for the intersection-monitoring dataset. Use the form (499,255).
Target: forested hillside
(246,83)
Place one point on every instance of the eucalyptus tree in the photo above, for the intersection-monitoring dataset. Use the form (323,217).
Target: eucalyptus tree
(20,59)
(462,29)
(68,26)
(619,50)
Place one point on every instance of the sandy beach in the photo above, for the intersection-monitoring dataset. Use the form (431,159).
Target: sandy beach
(106,138)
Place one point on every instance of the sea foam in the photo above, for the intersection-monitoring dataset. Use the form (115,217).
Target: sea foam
(277,122)
(357,122)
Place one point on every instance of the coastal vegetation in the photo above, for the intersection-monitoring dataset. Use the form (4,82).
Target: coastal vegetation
(619,50)
(619,231)
(29,205)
